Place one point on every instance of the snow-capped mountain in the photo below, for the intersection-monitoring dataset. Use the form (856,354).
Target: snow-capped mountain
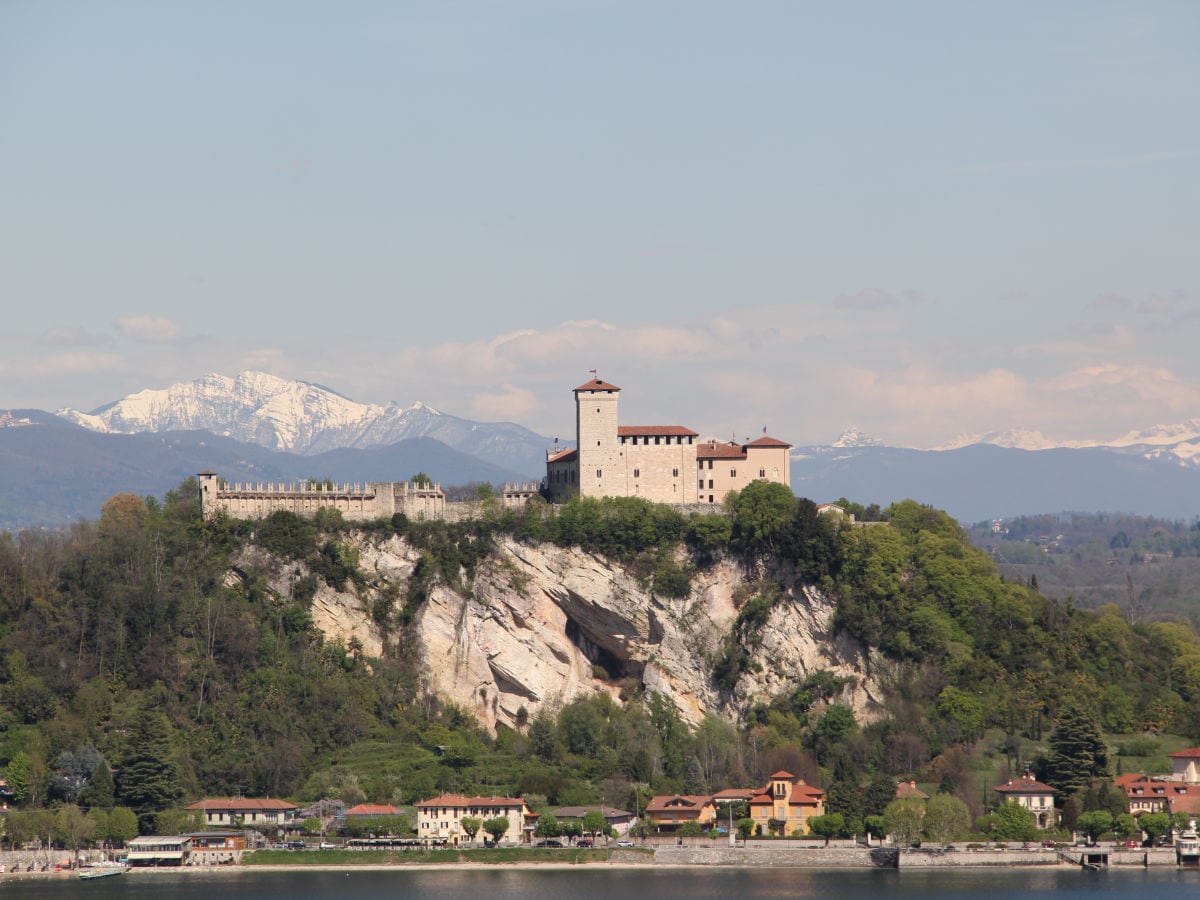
(1013,438)
(305,418)
(852,437)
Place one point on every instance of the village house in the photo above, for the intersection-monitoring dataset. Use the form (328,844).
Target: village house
(1036,797)
(439,819)
(250,812)
(215,848)
(908,790)
(1185,765)
(669,812)
(660,463)
(618,820)
(154,850)
(785,805)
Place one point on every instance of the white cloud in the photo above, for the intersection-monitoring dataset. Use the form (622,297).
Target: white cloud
(148,329)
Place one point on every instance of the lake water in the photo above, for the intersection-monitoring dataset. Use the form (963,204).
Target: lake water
(629,884)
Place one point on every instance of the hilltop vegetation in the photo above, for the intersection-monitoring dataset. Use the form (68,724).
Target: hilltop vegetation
(139,642)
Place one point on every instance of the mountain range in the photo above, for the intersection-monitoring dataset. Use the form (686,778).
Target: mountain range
(56,468)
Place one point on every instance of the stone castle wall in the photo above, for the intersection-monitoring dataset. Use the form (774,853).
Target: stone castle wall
(356,502)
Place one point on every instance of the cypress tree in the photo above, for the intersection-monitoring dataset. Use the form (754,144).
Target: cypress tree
(150,779)
(100,792)
(1077,752)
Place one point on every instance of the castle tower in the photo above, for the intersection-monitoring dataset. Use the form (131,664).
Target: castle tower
(601,467)
(209,485)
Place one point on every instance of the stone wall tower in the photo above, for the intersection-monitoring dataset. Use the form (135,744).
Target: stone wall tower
(601,466)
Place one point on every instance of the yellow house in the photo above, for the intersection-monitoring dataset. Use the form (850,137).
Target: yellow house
(786,804)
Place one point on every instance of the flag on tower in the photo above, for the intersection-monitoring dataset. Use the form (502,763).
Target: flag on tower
(764,429)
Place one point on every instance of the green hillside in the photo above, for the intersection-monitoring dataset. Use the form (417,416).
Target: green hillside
(127,641)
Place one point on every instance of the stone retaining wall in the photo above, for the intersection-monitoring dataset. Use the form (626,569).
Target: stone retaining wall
(831,858)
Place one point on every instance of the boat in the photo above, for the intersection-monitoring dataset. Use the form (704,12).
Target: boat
(101,872)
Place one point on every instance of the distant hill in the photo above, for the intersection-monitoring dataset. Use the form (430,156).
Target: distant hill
(53,472)
(983,481)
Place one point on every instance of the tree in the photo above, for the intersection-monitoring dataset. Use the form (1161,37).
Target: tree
(1094,823)
(1013,822)
(1155,825)
(827,826)
(690,829)
(100,791)
(547,826)
(312,826)
(1126,827)
(1077,751)
(904,820)
(470,826)
(594,822)
(497,827)
(150,778)
(876,827)
(72,827)
(745,828)
(122,825)
(946,818)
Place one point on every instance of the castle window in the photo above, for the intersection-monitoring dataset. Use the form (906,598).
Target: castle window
(762,473)
(657,439)
(597,409)
(637,473)
(710,496)
(710,484)
(597,443)
(674,473)
(599,473)
(733,473)
(701,484)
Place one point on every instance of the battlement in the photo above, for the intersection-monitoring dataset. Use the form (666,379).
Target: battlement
(357,502)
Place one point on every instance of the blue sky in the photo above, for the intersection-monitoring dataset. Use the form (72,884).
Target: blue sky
(921,218)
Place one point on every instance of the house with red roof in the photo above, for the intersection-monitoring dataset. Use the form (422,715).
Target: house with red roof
(439,819)
(1185,765)
(254,812)
(661,463)
(1030,793)
(785,804)
(668,811)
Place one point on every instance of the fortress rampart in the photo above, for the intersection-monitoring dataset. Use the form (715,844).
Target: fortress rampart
(357,502)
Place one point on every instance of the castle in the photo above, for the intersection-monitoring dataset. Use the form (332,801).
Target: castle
(660,463)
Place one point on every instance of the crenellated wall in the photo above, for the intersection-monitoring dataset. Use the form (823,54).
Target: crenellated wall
(356,502)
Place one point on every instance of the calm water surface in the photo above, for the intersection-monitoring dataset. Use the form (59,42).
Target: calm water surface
(625,884)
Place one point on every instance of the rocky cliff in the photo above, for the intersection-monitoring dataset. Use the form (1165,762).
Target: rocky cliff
(543,625)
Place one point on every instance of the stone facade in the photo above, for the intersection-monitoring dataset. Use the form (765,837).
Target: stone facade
(660,463)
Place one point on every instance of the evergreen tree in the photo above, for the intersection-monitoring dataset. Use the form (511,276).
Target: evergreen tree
(150,777)
(100,792)
(1077,751)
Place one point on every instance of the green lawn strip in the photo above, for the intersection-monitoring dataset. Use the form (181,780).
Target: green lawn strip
(416,857)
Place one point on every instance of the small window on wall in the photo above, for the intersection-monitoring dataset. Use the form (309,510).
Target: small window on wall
(674,473)
(637,473)
(733,473)
(701,484)
(762,473)
(710,484)
(599,473)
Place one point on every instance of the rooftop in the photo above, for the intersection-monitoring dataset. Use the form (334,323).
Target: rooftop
(596,385)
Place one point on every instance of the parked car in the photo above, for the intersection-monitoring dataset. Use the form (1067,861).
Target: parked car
(550,843)
(586,842)
(1133,843)
(295,845)
(624,843)
(327,846)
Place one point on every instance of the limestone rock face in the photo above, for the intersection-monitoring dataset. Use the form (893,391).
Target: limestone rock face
(544,625)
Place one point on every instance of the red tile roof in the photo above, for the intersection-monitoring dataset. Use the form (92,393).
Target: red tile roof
(1189,753)
(597,385)
(766,441)
(372,809)
(653,430)
(782,774)
(907,789)
(562,456)
(736,793)
(1026,784)
(1189,804)
(713,450)
(458,800)
(677,803)
(249,804)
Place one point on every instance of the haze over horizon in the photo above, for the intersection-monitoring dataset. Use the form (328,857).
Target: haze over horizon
(925,219)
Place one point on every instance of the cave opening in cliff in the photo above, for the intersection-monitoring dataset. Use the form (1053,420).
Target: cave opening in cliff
(614,667)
